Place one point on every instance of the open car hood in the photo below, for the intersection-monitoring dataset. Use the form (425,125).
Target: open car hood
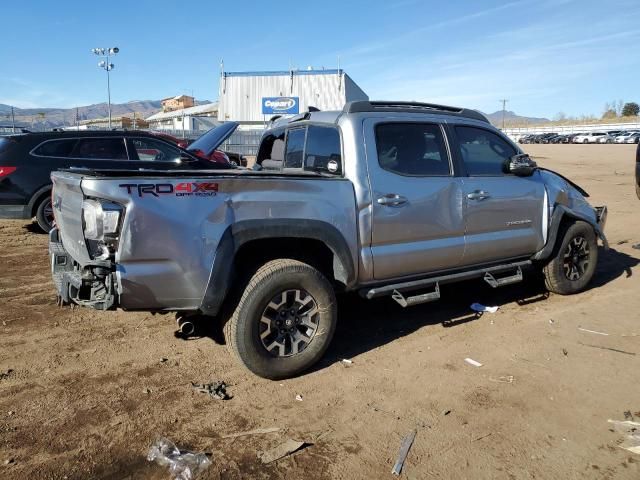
(211,140)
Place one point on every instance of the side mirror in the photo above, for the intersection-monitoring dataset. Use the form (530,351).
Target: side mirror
(520,165)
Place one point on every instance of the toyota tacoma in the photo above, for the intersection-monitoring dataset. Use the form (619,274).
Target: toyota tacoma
(389,199)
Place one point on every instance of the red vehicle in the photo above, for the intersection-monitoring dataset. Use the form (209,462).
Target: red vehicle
(181,142)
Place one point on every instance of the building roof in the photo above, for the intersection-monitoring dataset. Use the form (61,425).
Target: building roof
(119,118)
(177,97)
(276,73)
(197,110)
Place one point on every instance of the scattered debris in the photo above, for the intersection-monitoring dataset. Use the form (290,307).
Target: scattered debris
(632,432)
(636,246)
(515,358)
(622,242)
(9,461)
(552,321)
(164,360)
(503,379)
(565,351)
(386,412)
(478,307)
(471,361)
(257,431)
(299,398)
(483,436)
(281,451)
(6,374)
(628,415)
(607,348)
(404,451)
(146,390)
(216,390)
(346,362)
(592,331)
(183,465)
(446,412)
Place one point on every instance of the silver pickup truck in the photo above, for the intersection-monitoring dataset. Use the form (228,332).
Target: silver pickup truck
(384,198)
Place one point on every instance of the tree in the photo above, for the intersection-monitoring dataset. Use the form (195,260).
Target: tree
(560,117)
(609,113)
(630,109)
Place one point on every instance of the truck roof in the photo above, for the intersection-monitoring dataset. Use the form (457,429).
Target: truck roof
(366,106)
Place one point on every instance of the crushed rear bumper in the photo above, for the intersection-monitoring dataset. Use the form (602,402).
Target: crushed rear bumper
(90,286)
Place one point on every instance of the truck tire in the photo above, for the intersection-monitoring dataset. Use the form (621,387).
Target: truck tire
(44,214)
(284,320)
(574,259)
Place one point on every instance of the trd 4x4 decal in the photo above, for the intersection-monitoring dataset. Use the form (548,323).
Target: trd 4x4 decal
(182,189)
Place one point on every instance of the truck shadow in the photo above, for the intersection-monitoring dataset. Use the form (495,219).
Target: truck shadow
(364,325)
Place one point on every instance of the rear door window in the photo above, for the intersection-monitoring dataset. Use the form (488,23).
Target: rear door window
(150,149)
(108,148)
(483,152)
(412,149)
(295,148)
(323,146)
(56,148)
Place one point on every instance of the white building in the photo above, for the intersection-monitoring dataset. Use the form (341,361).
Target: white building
(193,119)
(252,98)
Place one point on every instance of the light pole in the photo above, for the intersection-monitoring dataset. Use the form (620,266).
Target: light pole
(108,66)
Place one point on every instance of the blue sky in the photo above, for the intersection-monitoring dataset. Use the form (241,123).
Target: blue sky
(545,56)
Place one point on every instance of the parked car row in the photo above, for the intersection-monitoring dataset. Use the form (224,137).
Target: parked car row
(615,136)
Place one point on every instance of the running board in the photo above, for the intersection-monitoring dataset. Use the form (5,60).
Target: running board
(387,290)
(416,299)
(501,282)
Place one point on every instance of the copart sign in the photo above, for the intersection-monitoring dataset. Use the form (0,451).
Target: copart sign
(280,105)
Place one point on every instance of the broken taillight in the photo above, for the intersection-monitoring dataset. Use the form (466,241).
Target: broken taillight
(4,171)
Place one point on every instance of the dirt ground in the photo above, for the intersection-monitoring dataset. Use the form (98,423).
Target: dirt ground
(89,391)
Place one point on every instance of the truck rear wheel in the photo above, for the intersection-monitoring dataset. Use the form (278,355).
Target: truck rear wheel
(574,260)
(44,214)
(284,320)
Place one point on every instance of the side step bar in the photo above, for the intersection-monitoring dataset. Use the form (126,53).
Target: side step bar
(416,299)
(501,282)
(487,273)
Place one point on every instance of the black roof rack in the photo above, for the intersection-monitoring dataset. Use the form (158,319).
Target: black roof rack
(412,107)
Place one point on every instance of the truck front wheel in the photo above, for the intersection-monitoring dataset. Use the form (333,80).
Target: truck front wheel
(284,320)
(574,260)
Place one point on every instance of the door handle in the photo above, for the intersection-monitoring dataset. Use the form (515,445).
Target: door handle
(392,200)
(478,195)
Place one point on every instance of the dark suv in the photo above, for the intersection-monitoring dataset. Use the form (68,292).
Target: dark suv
(27,160)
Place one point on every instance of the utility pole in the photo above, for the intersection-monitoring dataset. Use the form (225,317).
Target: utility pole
(13,121)
(504,108)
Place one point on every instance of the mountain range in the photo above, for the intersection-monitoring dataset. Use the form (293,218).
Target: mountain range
(512,118)
(45,118)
